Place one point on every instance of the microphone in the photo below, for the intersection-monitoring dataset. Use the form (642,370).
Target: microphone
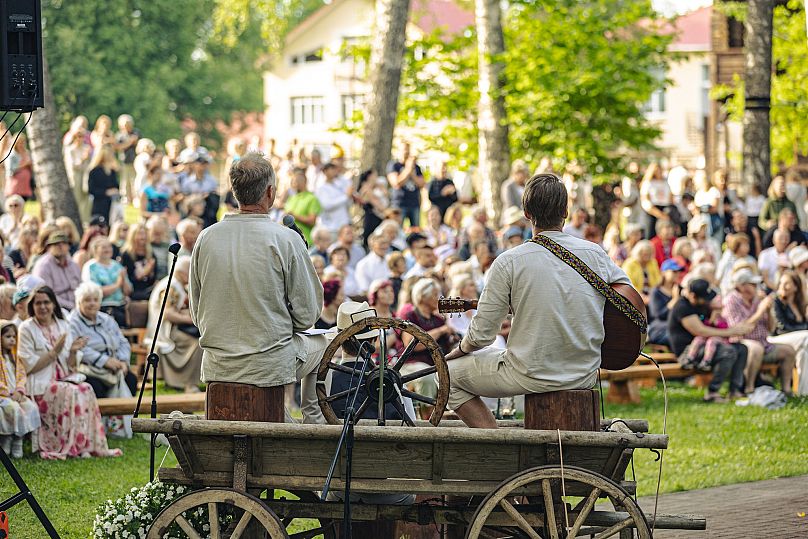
(174,248)
(289,222)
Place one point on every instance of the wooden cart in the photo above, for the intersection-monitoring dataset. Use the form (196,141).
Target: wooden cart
(481,483)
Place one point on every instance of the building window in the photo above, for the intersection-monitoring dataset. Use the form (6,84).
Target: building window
(735,32)
(307,110)
(309,57)
(656,103)
(351,104)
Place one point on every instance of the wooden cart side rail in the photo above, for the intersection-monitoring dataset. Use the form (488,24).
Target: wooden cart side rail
(636,425)
(399,434)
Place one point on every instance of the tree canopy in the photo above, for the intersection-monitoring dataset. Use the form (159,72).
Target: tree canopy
(577,77)
(161,62)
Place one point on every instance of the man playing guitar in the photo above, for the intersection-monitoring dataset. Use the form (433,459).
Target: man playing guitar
(557,328)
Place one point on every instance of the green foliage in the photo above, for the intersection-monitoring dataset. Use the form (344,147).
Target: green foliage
(162,62)
(789,93)
(576,78)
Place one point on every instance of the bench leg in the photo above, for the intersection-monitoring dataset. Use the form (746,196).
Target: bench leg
(623,392)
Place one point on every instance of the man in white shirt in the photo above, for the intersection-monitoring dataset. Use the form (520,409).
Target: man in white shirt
(374,265)
(254,291)
(425,260)
(557,326)
(335,199)
(773,259)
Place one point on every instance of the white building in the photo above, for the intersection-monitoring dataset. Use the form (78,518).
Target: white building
(317,85)
(682,108)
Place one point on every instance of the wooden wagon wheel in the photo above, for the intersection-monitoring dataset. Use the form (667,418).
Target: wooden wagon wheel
(245,509)
(543,484)
(394,381)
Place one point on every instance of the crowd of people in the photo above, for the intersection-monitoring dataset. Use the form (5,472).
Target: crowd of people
(723,275)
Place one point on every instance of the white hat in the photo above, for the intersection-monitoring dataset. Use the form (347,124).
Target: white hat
(512,216)
(745,276)
(351,312)
(798,256)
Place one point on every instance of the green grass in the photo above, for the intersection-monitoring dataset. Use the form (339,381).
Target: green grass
(710,445)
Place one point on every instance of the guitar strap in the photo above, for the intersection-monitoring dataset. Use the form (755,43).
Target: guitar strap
(571,259)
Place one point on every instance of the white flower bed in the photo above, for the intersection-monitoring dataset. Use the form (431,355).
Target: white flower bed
(130,517)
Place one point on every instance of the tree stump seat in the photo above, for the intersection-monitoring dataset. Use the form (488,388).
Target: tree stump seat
(244,402)
(573,409)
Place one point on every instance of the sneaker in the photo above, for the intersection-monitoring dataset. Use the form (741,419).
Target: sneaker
(16,448)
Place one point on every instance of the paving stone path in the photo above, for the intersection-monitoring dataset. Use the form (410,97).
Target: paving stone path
(768,509)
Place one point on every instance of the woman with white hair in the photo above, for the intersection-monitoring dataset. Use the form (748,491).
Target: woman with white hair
(178,341)
(463,286)
(106,353)
(144,152)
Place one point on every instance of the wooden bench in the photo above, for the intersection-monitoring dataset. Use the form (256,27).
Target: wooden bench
(186,402)
(136,338)
(624,387)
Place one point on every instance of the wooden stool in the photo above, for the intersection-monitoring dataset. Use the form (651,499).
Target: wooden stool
(243,402)
(574,409)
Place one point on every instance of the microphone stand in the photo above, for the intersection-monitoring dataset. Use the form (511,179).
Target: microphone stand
(347,437)
(152,361)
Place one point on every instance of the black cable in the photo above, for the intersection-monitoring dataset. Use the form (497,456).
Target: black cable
(31,115)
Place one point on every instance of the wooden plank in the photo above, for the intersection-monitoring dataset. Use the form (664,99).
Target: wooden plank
(437,462)
(182,459)
(186,403)
(496,437)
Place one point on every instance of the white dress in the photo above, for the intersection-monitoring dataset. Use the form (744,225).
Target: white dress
(16,419)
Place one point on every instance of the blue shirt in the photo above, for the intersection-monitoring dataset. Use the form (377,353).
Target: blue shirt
(190,184)
(105,276)
(104,338)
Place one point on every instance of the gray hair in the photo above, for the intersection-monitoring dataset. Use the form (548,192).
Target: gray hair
(250,177)
(88,289)
(183,264)
(185,224)
(422,289)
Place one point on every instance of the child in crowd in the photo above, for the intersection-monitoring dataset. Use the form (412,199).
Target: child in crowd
(19,414)
(710,344)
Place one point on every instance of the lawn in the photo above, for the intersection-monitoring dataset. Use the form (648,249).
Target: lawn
(711,444)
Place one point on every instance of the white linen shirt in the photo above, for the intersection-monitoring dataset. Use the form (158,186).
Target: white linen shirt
(370,268)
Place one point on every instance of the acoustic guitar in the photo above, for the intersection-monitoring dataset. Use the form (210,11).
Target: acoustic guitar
(623,340)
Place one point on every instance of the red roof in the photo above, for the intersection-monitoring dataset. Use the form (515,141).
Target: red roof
(693,30)
(431,15)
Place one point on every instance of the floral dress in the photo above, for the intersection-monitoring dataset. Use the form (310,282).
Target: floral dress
(16,418)
(71,421)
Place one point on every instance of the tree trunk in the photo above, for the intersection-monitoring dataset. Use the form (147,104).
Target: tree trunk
(45,144)
(495,154)
(758,81)
(386,58)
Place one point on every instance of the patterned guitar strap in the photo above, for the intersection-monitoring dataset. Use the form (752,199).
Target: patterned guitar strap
(619,302)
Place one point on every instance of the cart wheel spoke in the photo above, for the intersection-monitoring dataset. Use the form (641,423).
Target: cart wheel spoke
(405,416)
(187,528)
(519,519)
(419,374)
(383,346)
(418,397)
(213,520)
(549,509)
(336,396)
(588,504)
(608,532)
(340,368)
(405,355)
(242,525)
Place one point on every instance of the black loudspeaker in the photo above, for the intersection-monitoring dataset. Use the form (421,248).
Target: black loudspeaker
(21,79)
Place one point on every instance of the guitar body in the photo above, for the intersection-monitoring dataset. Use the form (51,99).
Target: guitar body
(623,341)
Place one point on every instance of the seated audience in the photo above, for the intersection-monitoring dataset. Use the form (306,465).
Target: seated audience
(664,240)
(71,422)
(11,221)
(662,300)
(110,275)
(178,341)
(140,262)
(333,297)
(345,238)
(774,259)
(642,269)
(786,221)
(157,228)
(19,414)
(373,266)
(738,248)
(106,353)
(775,203)
(686,322)
(57,269)
(340,257)
(791,325)
(743,307)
